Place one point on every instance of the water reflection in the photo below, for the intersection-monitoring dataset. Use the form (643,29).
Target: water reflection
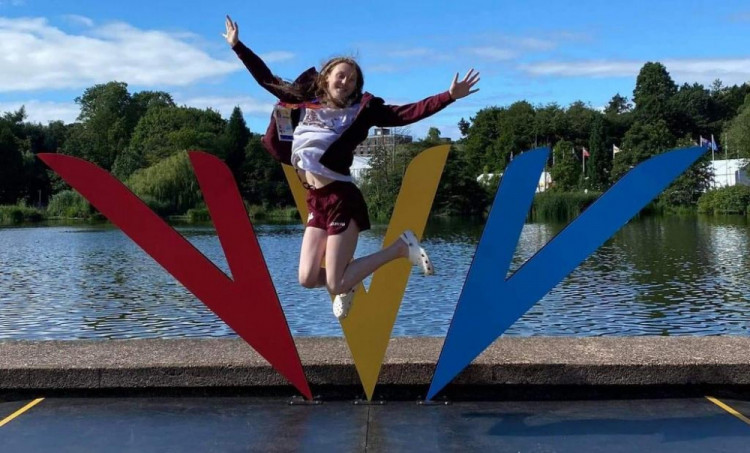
(657,276)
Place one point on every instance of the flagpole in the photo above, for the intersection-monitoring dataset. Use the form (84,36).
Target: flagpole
(583,159)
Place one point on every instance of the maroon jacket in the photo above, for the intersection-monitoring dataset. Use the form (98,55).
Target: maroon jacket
(373,111)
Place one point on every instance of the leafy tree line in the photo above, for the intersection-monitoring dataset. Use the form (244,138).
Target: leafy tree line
(141,138)
(662,116)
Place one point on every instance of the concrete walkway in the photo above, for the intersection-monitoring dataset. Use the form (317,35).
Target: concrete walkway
(511,368)
(270,425)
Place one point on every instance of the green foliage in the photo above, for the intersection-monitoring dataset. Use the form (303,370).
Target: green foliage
(168,187)
(600,161)
(459,193)
(738,132)
(125,132)
(105,124)
(382,182)
(234,141)
(643,140)
(653,91)
(262,180)
(69,204)
(618,105)
(726,200)
(198,215)
(20,213)
(550,124)
(11,165)
(693,108)
(164,131)
(566,170)
(689,186)
(561,206)
(580,118)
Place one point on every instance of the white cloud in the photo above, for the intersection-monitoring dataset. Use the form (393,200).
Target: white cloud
(79,20)
(44,111)
(535,44)
(729,70)
(35,55)
(225,104)
(410,53)
(591,68)
(381,68)
(492,53)
(275,57)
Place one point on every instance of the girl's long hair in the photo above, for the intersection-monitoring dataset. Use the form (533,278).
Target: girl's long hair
(317,89)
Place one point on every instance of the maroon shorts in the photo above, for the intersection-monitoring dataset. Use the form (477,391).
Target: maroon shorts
(334,206)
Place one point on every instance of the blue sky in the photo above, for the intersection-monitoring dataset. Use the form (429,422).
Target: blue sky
(540,51)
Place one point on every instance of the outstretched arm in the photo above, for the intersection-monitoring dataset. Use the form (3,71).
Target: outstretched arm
(401,115)
(257,67)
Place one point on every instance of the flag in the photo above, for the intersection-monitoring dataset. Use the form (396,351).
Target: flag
(585,152)
(703,142)
(713,144)
(615,149)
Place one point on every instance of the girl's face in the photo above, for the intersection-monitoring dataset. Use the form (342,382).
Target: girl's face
(341,82)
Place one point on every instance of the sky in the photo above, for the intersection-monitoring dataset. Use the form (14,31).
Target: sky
(538,51)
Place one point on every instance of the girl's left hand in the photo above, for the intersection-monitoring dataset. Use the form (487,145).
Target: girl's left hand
(463,88)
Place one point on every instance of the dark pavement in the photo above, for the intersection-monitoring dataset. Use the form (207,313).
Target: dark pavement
(235,424)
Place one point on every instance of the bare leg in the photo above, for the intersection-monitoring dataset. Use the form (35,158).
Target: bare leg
(344,274)
(311,274)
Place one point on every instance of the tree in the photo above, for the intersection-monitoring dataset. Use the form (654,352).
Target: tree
(653,90)
(463,127)
(433,136)
(600,160)
(106,123)
(695,110)
(618,105)
(144,100)
(262,180)
(579,120)
(550,124)
(459,193)
(738,132)
(163,131)
(168,187)
(11,166)
(481,142)
(566,170)
(642,141)
(689,186)
(235,139)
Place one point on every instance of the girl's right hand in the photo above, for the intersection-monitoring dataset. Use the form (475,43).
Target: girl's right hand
(233,32)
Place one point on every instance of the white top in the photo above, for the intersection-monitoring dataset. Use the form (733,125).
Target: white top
(316,131)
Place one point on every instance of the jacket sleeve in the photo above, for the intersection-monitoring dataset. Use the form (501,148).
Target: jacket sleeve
(260,72)
(385,115)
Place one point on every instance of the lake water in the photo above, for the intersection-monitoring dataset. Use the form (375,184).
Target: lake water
(656,276)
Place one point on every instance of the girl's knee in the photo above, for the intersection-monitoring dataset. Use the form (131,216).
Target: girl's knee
(308,280)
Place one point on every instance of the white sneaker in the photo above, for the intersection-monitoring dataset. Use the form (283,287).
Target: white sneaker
(342,304)
(417,255)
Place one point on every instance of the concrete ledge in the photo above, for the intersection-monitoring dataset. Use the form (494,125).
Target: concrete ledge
(410,362)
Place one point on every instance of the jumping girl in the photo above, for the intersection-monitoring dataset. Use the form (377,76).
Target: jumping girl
(319,121)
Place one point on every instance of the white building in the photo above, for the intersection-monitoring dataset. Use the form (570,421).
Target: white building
(545,180)
(729,172)
(360,165)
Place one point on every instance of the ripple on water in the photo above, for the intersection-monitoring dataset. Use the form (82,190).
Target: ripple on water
(654,277)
